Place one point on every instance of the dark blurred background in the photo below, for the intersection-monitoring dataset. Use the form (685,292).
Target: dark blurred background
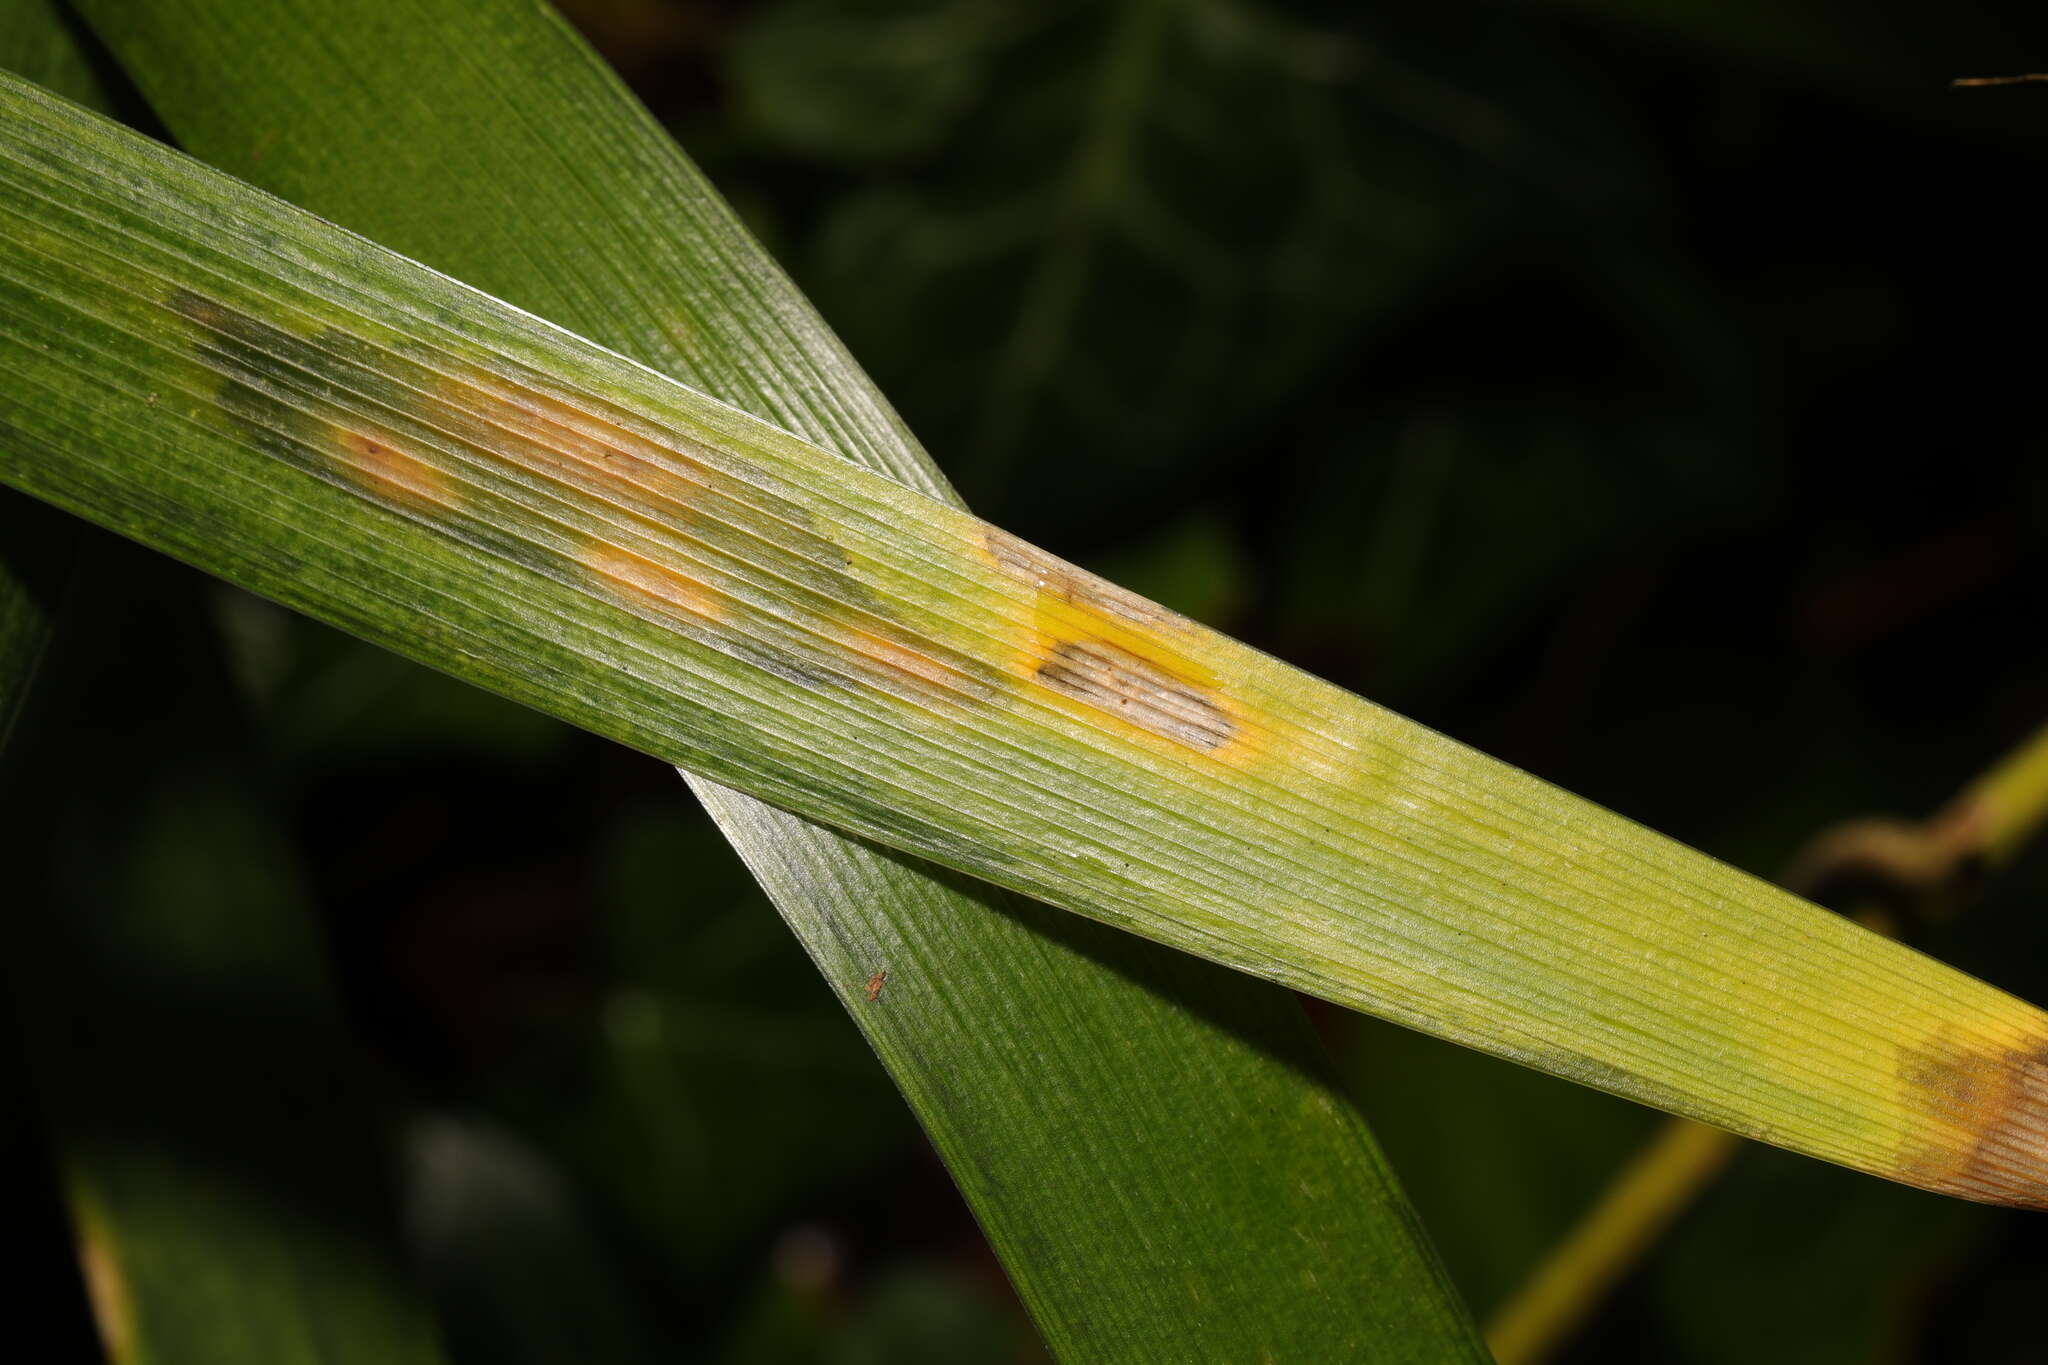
(1644,391)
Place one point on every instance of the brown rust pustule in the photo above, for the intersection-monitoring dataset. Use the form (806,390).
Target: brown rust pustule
(279,386)
(664,484)
(671,526)
(1998,1105)
(1113,679)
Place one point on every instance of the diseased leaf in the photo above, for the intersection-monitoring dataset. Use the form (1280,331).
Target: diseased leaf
(360,437)
(1085,1087)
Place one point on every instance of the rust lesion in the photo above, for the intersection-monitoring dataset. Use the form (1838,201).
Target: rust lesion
(1099,646)
(1111,678)
(921,665)
(277,382)
(656,484)
(389,471)
(668,504)
(639,478)
(1058,579)
(1996,1105)
(198,308)
(659,587)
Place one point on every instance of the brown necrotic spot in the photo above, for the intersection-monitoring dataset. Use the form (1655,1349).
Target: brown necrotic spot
(1995,1104)
(1056,578)
(669,595)
(316,397)
(1135,689)
(634,477)
(1113,651)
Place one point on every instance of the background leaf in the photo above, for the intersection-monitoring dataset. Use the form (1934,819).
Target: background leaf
(226,1177)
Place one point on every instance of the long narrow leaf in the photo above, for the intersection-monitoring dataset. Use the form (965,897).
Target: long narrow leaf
(244,386)
(1085,1087)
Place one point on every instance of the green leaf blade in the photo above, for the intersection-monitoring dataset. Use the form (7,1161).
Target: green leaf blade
(1014,717)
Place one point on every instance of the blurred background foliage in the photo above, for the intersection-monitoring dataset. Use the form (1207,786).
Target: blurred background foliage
(1640,390)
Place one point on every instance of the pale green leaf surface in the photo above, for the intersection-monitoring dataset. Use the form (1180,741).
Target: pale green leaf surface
(240,385)
(1093,1094)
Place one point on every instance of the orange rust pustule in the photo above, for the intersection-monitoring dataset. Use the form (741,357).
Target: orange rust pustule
(668,486)
(588,437)
(904,662)
(1998,1105)
(1113,679)
(389,472)
(641,580)
(640,478)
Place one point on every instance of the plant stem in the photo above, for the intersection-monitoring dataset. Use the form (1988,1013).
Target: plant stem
(2009,804)
(1929,865)
(1649,1194)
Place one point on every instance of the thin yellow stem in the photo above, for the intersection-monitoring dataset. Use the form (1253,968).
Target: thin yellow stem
(1985,827)
(1656,1186)
(2008,805)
